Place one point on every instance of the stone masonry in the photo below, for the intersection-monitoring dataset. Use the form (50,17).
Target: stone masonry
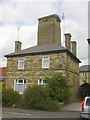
(33,69)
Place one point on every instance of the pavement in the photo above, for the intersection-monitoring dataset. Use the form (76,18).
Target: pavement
(72,107)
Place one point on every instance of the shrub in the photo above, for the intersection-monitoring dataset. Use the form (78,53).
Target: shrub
(2,85)
(10,97)
(52,106)
(36,97)
(58,88)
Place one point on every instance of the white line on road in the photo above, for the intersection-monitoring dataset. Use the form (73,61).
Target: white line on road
(15,113)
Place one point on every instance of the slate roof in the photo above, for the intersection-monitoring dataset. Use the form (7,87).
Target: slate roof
(42,49)
(84,68)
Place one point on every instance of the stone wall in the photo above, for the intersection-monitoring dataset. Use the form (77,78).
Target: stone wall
(59,62)
(33,67)
(73,75)
(84,78)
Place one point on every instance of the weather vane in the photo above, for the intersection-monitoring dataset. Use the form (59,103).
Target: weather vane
(18,33)
(63,18)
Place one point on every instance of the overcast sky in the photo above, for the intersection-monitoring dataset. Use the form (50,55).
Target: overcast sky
(25,14)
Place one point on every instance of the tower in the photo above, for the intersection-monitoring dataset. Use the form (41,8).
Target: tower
(49,31)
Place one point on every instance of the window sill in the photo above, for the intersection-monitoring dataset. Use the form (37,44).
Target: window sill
(46,68)
(21,70)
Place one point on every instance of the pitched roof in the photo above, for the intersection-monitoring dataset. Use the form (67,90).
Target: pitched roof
(84,68)
(42,49)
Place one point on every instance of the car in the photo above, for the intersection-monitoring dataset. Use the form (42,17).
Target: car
(85,108)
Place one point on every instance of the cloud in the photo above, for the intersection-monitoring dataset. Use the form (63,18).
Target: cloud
(30,1)
(25,14)
(76,23)
(84,62)
(9,35)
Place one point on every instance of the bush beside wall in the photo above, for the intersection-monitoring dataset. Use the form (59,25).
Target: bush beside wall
(10,97)
(37,98)
(45,98)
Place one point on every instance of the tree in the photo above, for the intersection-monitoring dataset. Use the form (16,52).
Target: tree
(58,88)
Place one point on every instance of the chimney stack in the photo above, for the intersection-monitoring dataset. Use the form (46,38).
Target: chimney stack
(18,46)
(49,30)
(74,47)
(68,41)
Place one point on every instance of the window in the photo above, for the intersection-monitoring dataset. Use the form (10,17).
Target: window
(21,63)
(46,61)
(20,85)
(42,82)
(83,74)
(83,77)
(88,102)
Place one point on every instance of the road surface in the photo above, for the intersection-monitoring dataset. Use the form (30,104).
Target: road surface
(71,112)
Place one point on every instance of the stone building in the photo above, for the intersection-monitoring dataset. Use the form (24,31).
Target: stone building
(30,66)
(84,74)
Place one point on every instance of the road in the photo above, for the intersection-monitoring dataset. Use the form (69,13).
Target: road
(41,114)
(50,115)
(72,112)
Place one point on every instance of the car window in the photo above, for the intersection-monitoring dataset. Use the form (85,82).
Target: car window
(88,102)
